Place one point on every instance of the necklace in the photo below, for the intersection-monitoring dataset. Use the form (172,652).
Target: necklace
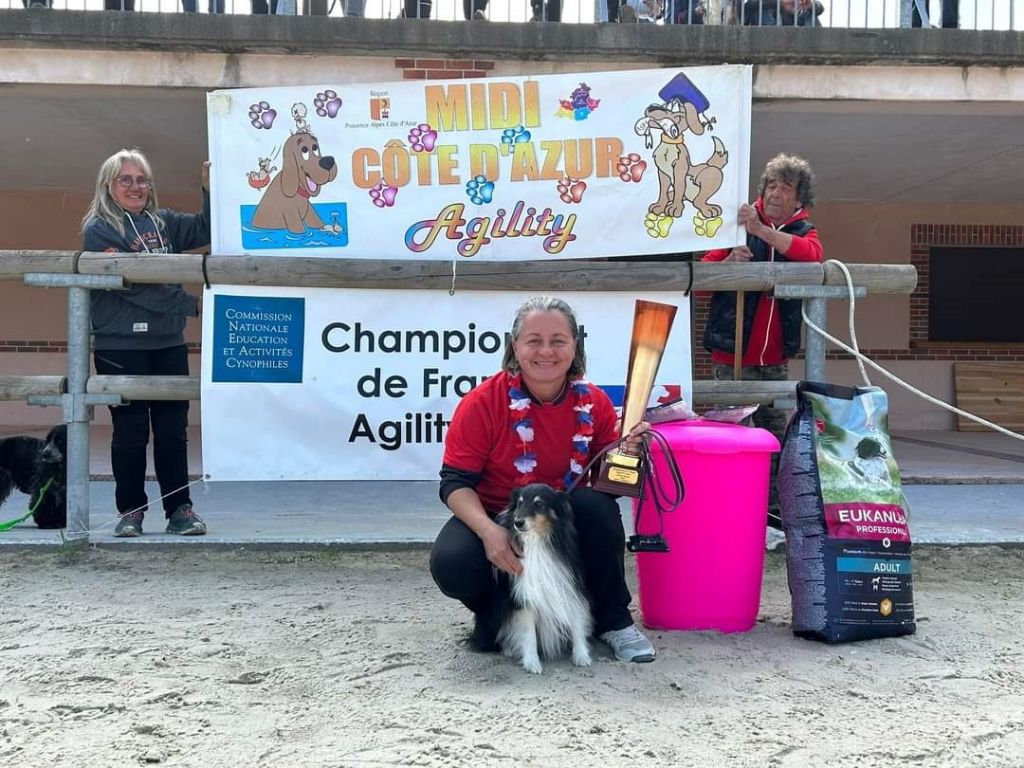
(519,405)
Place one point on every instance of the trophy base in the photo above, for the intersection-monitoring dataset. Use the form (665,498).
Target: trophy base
(620,474)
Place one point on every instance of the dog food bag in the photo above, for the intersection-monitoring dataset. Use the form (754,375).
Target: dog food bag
(847,532)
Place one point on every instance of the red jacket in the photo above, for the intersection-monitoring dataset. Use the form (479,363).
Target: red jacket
(765,344)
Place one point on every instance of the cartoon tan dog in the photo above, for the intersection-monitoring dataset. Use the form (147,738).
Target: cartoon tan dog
(678,180)
(285,202)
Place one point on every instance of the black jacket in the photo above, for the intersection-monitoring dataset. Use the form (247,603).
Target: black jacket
(145,316)
(720,331)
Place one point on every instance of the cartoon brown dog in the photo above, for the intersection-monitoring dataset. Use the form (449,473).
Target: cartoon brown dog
(285,202)
(678,180)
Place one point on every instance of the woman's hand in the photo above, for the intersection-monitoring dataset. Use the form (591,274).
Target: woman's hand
(500,550)
(636,436)
(206,176)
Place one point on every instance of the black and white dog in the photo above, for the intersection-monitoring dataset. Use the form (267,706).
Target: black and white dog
(545,608)
(27,463)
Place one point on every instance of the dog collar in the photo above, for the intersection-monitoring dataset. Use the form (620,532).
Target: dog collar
(303,192)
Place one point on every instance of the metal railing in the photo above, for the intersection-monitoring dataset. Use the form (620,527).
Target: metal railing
(842,14)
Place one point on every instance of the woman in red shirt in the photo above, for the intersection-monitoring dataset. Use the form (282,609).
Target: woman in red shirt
(536,421)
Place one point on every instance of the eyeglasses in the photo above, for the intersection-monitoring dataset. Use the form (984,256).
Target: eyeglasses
(140,181)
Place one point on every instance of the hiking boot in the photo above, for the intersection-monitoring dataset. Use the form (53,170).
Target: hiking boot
(185,522)
(629,644)
(129,525)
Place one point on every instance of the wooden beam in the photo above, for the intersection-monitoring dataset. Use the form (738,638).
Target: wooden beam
(20,387)
(546,276)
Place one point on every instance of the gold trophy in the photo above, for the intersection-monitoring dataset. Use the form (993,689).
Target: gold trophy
(621,470)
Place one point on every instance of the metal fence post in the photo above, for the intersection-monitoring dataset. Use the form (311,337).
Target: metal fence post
(76,403)
(815,347)
(80,416)
(815,298)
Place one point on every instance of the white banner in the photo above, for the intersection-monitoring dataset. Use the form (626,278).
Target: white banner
(547,167)
(324,384)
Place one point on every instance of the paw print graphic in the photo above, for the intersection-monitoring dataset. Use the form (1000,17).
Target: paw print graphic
(479,190)
(327,103)
(571,190)
(511,136)
(383,194)
(706,227)
(630,167)
(658,224)
(423,138)
(261,115)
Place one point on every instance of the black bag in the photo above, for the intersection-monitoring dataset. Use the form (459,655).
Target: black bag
(845,517)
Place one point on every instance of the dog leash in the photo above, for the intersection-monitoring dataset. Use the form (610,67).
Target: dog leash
(32,510)
(664,501)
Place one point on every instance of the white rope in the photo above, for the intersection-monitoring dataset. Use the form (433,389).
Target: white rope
(855,351)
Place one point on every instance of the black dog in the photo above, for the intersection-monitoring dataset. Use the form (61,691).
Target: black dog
(28,463)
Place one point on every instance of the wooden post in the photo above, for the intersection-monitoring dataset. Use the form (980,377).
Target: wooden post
(737,355)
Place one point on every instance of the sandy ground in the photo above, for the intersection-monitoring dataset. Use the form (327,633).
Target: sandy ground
(353,659)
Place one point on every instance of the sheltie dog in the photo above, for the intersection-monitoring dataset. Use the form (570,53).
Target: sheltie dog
(545,607)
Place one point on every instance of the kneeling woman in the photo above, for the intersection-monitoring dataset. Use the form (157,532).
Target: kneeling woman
(529,424)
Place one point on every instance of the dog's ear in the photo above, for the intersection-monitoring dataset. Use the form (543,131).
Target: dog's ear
(515,498)
(693,119)
(564,507)
(290,170)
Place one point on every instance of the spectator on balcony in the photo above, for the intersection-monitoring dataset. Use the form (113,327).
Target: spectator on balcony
(119,5)
(686,12)
(138,331)
(417,9)
(950,18)
(355,8)
(786,13)
(37,3)
(546,10)
(212,6)
(263,7)
(779,229)
(474,10)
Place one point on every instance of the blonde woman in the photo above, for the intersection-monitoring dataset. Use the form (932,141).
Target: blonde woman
(140,331)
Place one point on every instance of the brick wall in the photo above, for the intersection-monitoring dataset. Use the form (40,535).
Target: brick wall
(922,238)
(443,69)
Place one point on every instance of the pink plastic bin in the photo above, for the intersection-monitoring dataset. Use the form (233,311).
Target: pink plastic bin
(711,576)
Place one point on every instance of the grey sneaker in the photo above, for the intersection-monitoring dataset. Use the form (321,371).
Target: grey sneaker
(129,525)
(185,522)
(629,644)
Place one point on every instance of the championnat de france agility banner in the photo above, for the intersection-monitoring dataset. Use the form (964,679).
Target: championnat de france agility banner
(336,384)
(497,169)
(331,384)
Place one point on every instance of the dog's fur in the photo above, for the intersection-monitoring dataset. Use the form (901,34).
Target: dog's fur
(26,463)
(285,202)
(869,461)
(545,608)
(678,179)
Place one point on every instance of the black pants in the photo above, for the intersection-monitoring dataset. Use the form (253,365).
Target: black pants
(461,569)
(261,6)
(950,15)
(119,5)
(131,430)
(417,9)
(548,10)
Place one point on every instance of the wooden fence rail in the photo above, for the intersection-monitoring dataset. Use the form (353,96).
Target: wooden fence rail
(543,276)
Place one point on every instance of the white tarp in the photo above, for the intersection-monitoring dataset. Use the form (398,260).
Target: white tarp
(496,169)
(328,384)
